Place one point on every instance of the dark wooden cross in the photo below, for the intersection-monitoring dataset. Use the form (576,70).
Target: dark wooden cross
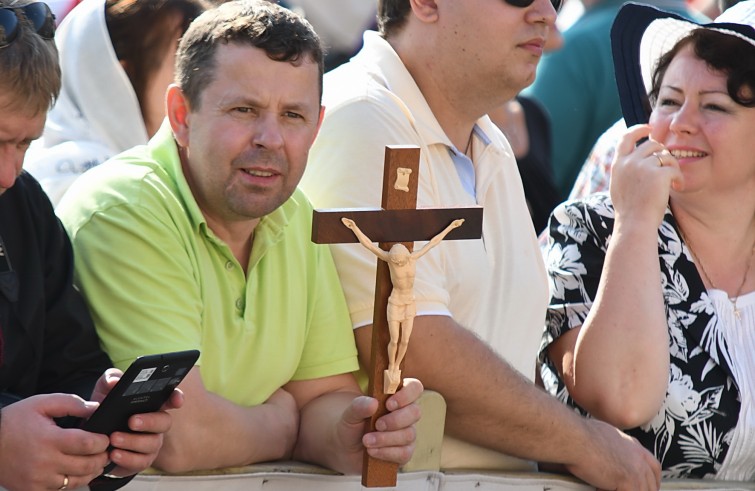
(399,221)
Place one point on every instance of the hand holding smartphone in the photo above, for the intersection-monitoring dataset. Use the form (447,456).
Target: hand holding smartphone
(144,388)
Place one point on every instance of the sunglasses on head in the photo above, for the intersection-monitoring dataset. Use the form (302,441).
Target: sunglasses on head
(526,3)
(38,14)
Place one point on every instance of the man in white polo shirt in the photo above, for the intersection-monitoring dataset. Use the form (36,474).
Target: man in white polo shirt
(428,79)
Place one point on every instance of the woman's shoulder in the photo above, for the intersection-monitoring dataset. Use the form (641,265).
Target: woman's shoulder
(593,204)
(585,220)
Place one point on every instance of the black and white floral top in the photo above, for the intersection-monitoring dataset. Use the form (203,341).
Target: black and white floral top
(691,433)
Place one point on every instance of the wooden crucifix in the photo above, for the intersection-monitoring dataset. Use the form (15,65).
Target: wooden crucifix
(398,222)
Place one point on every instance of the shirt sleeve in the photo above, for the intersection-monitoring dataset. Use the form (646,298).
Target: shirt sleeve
(72,359)
(329,348)
(141,289)
(575,248)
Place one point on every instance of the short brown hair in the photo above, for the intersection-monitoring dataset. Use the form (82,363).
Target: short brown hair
(281,33)
(29,69)
(392,16)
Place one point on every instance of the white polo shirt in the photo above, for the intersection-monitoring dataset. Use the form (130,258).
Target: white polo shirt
(496,286)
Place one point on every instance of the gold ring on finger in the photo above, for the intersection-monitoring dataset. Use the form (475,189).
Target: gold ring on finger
(660,159)
(65,483)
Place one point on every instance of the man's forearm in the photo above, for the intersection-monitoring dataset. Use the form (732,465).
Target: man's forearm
(210,432)
(492,405)
(488,402)
(319,441)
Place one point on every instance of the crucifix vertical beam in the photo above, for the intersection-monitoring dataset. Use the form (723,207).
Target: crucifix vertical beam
(397,222)
(379,472)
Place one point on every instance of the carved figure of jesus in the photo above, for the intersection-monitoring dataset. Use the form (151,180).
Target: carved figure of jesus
(401,303)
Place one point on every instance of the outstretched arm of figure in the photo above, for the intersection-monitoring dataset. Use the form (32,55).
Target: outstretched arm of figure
(437,239)
(364,240)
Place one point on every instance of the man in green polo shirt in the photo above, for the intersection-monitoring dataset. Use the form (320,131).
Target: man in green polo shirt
(200,239)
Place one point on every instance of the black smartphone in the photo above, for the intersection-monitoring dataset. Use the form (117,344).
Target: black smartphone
(144,388)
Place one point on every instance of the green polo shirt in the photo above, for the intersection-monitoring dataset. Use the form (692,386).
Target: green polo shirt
(158,279)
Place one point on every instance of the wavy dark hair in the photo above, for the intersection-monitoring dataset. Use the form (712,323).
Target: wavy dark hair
(281,33)
(724,53)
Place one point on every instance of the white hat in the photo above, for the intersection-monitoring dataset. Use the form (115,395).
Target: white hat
(641,34)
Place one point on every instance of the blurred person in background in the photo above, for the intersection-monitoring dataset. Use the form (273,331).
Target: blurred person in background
(577,87)
(340,24)
(117,60)
(528,129)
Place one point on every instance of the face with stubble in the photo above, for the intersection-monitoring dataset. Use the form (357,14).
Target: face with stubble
(245,148)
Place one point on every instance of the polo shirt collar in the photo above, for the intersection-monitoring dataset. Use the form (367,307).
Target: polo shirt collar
(382,62)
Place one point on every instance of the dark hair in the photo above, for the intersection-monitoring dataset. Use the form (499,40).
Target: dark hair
(284,35)
(724,53)
(392,15)
(141,33)
(29,69)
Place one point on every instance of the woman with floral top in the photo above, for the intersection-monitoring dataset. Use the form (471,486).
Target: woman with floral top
(651,323)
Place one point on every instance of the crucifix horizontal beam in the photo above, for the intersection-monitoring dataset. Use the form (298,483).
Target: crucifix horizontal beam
(395,225)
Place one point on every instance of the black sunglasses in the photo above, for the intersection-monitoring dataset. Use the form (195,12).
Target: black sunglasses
(526,3)
(38,14)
